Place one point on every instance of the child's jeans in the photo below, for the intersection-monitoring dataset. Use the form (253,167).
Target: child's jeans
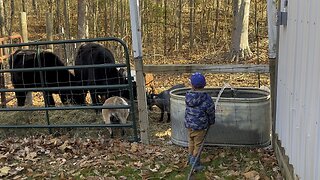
(195,140)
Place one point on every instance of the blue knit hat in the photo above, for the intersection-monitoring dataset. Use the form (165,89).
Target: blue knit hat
(198,80)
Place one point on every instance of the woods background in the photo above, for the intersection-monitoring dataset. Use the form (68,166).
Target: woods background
(169,28)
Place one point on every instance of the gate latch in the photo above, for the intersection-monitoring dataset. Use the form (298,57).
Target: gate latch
(283,15)
(282,18)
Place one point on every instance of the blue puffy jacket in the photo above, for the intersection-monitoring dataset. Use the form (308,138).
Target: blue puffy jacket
(200,111)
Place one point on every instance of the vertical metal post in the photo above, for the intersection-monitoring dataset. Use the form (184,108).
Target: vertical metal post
(273,34)
(132,107)
(258,53)
(137,52)
(45,94)
(2,86)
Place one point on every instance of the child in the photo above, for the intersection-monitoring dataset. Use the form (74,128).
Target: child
(200,114)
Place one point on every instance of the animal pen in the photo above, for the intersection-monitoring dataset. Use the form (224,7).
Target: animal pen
(44,88)
(137,50)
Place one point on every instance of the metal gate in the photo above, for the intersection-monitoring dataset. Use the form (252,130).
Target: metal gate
(70,44)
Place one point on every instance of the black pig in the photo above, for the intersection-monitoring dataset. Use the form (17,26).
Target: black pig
(162,100)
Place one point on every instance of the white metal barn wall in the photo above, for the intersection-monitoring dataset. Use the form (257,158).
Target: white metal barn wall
(298,87)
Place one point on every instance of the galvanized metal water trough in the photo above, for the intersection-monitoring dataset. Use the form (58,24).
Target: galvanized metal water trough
(243,117)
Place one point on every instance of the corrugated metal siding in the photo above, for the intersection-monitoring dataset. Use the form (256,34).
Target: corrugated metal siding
(298,94)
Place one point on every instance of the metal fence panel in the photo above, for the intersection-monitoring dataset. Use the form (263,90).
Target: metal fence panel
(71,66)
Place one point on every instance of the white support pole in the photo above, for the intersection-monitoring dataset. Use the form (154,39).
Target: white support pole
(137,53)
(24,34)
(272,27)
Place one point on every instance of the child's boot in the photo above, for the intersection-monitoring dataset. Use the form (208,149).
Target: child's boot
(189,159)
(198,166)
(191,162)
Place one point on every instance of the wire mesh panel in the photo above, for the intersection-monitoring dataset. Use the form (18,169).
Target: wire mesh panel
(59,83)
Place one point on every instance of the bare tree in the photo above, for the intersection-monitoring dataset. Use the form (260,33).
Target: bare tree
(180,24)
(112,20)
(35,7)
(106,17)
(2,19)
(50,2)
(82,8)
(95,10)
(58,17)
(165,28)
(239,39)
(122,20)
(11,18)
(217,21)
(23,5)
(67,33)
(191,25)
(66,18)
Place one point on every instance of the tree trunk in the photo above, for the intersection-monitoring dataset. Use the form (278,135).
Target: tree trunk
(191,26)
(68,50)
(106,18)
(165,29)
(66,18)
(2,19)
(50,17)
(216,21)
(180,24)
(3,52)
(117,26)
(81,19)
(142,15)
(50,2)
(146,24)
(35,7)
(58,18)
(11,18)
(203,34)
(122,20)
(49,29)
(95,18)
(86,20)
(239,40)
(23,5)
(112,21)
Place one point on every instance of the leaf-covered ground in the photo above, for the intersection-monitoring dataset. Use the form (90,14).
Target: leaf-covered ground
(44,156)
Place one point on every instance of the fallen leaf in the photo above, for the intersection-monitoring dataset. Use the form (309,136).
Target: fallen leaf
(179,176)
(4,171)
(207,159)
(31,156)
(134,147)
(222,154)
(65,146)
(168,170)
(17,177)
(145,174)
(233,173)
(3,157)
(254,175)
(222,167)
(155,169)
(19,168)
